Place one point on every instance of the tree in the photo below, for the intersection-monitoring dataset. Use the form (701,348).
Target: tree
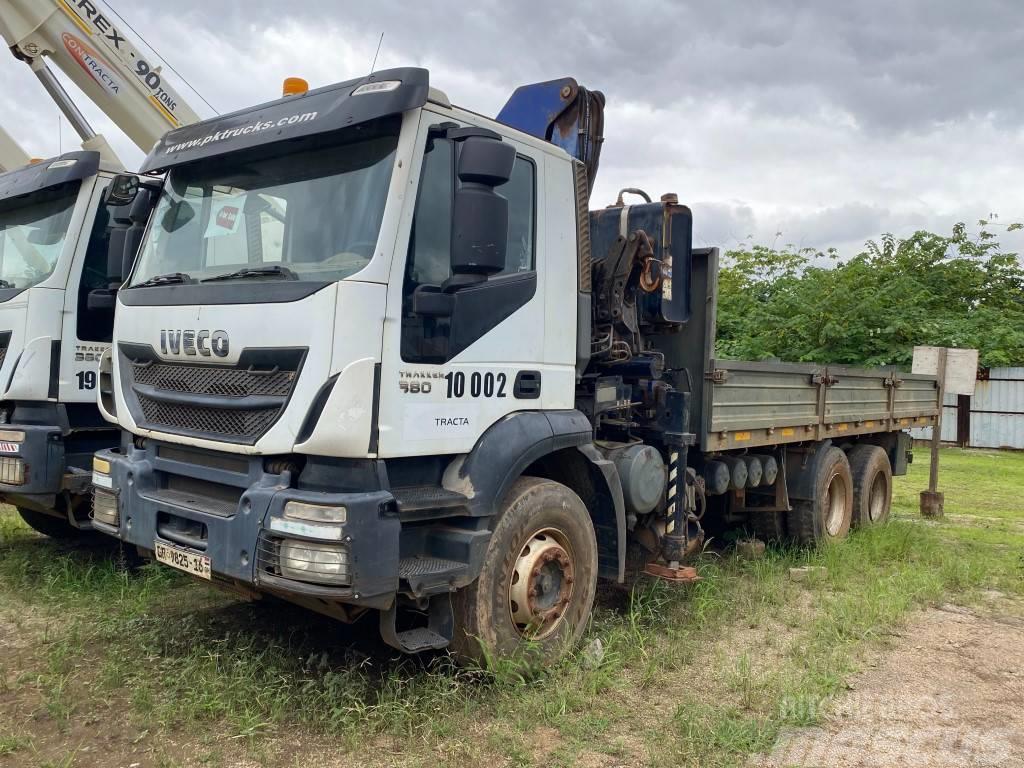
(959,290)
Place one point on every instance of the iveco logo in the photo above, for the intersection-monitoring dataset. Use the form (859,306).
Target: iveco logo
(202,343)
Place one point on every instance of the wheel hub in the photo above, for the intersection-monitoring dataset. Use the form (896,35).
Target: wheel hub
(542,583)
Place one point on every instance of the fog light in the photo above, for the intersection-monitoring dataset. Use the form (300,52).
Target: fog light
(315,513)
(312,561)
(104,507)
(12,471)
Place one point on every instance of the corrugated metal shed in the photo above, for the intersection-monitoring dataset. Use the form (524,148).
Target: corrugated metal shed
(996,413)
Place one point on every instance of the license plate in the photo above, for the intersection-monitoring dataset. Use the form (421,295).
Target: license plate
(183,560)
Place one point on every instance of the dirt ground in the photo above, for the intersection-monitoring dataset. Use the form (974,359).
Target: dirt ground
(949,692)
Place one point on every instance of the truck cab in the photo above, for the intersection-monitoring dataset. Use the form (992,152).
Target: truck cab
(292,343)
(62,240)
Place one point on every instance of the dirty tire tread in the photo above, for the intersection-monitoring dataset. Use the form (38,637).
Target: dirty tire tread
(481,608)
(807,518)
(50,526)
(865,462)
(768,526)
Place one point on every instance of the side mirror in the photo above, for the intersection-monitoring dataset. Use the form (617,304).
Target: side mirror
(122,189)
(480,215)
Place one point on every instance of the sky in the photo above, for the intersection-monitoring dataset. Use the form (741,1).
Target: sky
(811,124)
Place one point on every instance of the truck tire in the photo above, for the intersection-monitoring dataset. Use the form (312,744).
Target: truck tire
(829,515)
(49,525)
(537,583)
(767,526)
(872,484)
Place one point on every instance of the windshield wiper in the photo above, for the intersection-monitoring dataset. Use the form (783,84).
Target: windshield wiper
(272,271)
(5,284)
(169,279)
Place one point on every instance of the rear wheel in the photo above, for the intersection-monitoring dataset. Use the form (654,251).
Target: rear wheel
(536,587)
(767,526)
(872,484)
(50,525)
(828,516)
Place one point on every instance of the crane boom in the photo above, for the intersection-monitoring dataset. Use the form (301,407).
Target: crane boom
(11,154)
(80,39)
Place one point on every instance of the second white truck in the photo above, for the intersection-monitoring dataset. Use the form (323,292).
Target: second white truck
(68,234)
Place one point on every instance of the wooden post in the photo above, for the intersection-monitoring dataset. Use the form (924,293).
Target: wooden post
(932,500)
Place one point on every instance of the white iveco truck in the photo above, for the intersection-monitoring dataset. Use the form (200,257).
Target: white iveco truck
(376,354)
(67,237)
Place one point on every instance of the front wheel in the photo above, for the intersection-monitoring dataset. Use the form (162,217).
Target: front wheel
(50,525)
(537,583)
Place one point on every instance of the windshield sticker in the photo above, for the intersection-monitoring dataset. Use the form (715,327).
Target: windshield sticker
(89,60)
(225,216)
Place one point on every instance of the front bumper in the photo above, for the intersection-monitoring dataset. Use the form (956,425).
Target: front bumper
(35,470)
(229,508)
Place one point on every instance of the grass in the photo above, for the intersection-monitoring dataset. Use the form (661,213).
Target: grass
(704,674)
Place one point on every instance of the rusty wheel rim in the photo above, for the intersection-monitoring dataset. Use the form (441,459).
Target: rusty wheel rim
(542,582)
(877,498)
(835,504)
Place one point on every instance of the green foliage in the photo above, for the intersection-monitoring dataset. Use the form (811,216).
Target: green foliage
(959,290)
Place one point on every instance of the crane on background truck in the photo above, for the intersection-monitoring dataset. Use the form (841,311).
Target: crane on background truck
(67,238)
(11,154)
(377,355)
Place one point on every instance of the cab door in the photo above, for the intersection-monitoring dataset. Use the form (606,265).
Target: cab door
(86,332)
(442,385)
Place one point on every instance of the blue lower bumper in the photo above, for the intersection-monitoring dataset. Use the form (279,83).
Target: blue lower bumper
(224,506)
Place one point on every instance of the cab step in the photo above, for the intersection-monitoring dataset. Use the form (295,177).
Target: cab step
(415,499)
(422,572)
(436,635)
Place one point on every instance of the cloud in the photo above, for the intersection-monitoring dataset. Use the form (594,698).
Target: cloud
(826,122)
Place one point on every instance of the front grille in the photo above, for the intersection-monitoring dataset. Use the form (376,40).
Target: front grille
(231,403)
(223,422)
(209,380)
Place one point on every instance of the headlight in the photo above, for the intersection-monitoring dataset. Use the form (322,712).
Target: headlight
(104,507)
(312,561)
(12,471)
(314,513)
(12,436)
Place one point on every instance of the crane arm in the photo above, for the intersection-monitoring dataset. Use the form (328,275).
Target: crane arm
(79,37)
(11,154)
(562,112)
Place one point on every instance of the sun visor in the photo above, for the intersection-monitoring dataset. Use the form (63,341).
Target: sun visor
(387,92)
(71,166)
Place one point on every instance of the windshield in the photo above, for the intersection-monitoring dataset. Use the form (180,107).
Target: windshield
(299,210)
(32,232)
